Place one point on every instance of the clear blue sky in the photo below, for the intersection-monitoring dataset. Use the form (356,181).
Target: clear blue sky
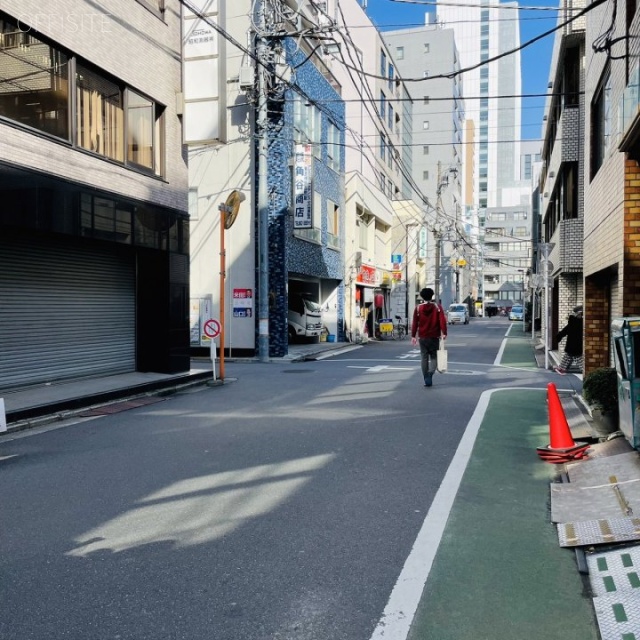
(536,58)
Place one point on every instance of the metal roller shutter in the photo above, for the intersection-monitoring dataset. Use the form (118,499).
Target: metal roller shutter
(65,312)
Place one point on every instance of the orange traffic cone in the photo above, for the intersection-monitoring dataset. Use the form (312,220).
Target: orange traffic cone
(559,432)
(562,447)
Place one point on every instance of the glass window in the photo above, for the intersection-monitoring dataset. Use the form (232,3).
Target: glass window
(334,148)
(383,104)
(400,53)
(99,115)
(601,123)
(425,100)
(140,130)
(391,76)
(155,6)
(425,150)
(425,124)
(333,225)
(34,81)
(390,120)
(426,47)
(363,233)
(383,64)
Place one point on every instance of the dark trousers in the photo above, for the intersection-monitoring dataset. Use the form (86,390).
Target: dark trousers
(428,355)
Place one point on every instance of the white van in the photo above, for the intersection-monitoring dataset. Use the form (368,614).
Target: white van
(458,314)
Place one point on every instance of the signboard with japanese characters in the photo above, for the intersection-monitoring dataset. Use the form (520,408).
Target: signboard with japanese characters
(200,312)
(366,275)
(203,52)
(302,188)
(242,303)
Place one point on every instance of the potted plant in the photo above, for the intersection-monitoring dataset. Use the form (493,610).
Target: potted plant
(600,391)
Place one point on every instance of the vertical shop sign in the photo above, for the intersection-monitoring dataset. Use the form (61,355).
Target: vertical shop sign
(203,72)
(302,192)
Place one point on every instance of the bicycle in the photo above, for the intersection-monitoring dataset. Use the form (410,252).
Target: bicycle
(399,329)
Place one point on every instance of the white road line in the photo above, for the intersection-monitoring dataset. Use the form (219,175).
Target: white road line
(498,359)
(400,610)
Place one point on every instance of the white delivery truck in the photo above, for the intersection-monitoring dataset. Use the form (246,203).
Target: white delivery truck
(305,317)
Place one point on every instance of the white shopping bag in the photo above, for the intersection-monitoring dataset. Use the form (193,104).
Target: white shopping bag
(442,357)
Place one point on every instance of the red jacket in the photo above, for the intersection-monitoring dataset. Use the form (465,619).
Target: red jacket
(428,321)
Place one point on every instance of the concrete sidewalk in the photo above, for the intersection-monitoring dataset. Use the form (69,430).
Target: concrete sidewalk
(35,405)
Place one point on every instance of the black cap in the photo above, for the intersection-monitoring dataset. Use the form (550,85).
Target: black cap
(426,293)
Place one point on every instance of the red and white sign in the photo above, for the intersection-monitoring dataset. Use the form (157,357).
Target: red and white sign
(366,275)
(212,328)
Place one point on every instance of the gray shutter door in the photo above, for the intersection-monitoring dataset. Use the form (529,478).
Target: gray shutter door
(65,311)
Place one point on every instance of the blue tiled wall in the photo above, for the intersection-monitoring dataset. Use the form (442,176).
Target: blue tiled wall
(286,253)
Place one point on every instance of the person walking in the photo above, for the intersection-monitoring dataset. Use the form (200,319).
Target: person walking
(428,326)
(573,346)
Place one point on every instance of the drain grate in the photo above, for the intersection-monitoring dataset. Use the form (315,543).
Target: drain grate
(117,407)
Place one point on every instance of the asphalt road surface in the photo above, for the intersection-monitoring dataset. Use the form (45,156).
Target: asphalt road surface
(282,505)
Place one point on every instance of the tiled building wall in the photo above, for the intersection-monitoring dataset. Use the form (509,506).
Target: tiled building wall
(287,253)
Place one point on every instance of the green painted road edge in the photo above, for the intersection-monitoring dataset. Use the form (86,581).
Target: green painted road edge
(499,572)
(518,351)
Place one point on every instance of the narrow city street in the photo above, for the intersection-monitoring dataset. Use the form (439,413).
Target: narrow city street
(282,505)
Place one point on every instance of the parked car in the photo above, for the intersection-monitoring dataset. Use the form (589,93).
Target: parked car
(458,314)
(516,313)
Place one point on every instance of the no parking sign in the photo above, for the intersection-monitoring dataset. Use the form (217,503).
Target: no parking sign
(212,328)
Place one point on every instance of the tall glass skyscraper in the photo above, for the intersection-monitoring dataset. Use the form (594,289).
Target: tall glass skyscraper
(484,32)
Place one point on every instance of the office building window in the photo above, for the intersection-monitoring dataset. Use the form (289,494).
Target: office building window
(392,75)
(383,105)
(426,47)
(425,175)
(144,127)
(391,117)
(425,124)
(34,81)
(100,114)
(400,53)
(601,123)
(155,6)
(425,150)
(383,146)
(383,64)
(110,119)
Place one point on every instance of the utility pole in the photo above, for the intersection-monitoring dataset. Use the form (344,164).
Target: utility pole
(262,168)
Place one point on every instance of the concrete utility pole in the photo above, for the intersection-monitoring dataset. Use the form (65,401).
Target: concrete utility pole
(262,168)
